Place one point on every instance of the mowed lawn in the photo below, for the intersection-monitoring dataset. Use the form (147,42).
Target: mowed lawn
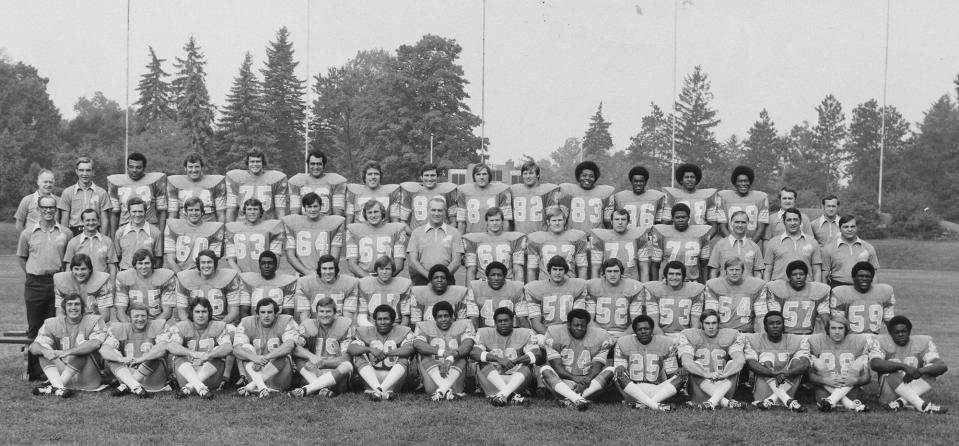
(928,297)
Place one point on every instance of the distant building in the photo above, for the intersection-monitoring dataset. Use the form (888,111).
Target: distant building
(505,173)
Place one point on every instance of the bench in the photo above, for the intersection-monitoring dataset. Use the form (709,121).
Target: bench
(15,340)
(16,333)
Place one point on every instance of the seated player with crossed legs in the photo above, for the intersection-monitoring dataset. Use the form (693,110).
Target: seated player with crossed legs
(778,362)
(66,346)
(505,356)
(908,366)
(577,355)
(645,365)
(199,346)
(838,360)
(381,353)
(444,344)
(321,354)
(713,357)
(133,354)
(262,346)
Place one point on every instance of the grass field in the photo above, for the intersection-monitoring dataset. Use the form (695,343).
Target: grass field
(928,297)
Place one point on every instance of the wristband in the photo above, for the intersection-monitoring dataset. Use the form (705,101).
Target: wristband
(532,357)
(483,357)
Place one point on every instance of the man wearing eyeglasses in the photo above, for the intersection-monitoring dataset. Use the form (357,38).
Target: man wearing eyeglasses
(40,250)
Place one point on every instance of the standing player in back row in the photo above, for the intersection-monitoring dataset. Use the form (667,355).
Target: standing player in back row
(357,195)
(701,202)
(210,189)
(150,187)
(530,199)
(329,186)
(645,206)
(268,186)
(585,201)
(474,199)
(415,198)
(742,198)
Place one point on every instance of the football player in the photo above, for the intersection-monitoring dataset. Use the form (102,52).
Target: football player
(185,238)
(326,281)
(153,288)
(381,288)
(415,198)
(374,238)
(136,235)
(435,243)
(742,198)
(839,255)
(826,227)
(738,299)
(262,345)
(66,346)
(381,353)
(321,355)
(530,199)
(645,366)
(778,362)
(908,366)
(150,187)
(674,304)
(737,245)
(495,245)
(210,189)
(199,346)
(473,199)
(787,200)
(613,300)
(793,244)
(577,355)
(133,354)
(94,244)
(549,300)
(267,186)
(701,202)
(312,234)
(221,288)
(499,292)
(505,356)
(247,239)
(570,244)
(839,364)
(713,357)
(801,302)
(84,195)
(96,288)
(644,206)
(329,186)
(28,212)
(623,242)
(442,289)
(444,344)
(585,201)
(679,241)
(268,284)
(869,307)
(357,195)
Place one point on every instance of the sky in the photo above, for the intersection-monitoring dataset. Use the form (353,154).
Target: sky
(549,64)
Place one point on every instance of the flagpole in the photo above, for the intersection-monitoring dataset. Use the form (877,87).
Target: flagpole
(306,117)
(483,87)
(882,118)
(672,156)
(126,133)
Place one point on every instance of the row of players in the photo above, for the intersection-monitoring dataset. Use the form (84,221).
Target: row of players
(196,201)
(648,367)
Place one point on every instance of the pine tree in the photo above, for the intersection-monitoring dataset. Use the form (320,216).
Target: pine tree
(242,122)
(283,104)
(652,146)
(156,94)
(765,151)
(193,109)
(696,122)
(830,135)
(862,148)
(597,142)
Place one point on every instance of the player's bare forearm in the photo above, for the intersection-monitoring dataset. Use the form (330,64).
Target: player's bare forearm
(23,263)
(471,273)
(177,349)
(594,270)
(693,367)
(464,349)
(283,350)
(169,261)
(560,369)
(797,367)
(734,366)
(724,229)
(403,352)
(166,313)
(295,262)
(595,368)
(816,274)
(358,350)
(121,314)
(713,272)
(158,351)
(758,235)
(243,353)
(863,378)
(519,273)
(221,351)
(582,271)
(768,273)
(536,324)
(532,274)
(354,268)
(232,315)
(424,348)
(455,263)
(161,220)
(304,353)
(654,270)
(111,354)
(476,354)
(115,220)
(759,369)
(231,214)
(400,262)
(522,321)
(332,363)
(415,265)
(84,348)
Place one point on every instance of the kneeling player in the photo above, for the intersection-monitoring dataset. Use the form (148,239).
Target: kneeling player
(713,357)
(321,354)
(505,355)
(132,353)
(577,356)
(381,353)
(778,362)
(444,344)
(642,366)
(262,345)
(909,365)
(839,364)
(66,346)
(199,346)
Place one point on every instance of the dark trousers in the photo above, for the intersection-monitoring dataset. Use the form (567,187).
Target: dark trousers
(38,296)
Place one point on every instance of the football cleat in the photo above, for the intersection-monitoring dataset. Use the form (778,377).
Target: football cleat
(244,391)
(896,405)
(141,393)
(62,392)
(764,404)
(449,395)
(374,395)
(327,393)
(706,405)
(634,405)
(121,390)
(824,405)
(665,407)
(858,406)
(264,393)
(438,396)
(298,392)
(582,404)
(498,401)
(519,400)
(42,390)
(795,406)
(183,393)
(734,404)
(567,403)
(929,407)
